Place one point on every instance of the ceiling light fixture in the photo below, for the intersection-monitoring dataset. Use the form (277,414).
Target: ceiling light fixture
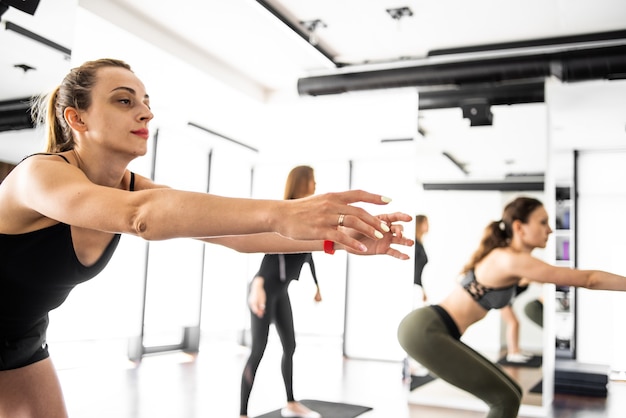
(27,6)
(478,113)
(311,26)
(234,141)
(38,38)
(457,163)
(387,140)
(400,12)
(25,67)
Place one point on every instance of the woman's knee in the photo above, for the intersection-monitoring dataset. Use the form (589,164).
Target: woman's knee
(410,335)
(289,347)
(505,403)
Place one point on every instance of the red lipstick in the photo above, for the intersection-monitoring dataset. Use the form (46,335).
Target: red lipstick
(144,133)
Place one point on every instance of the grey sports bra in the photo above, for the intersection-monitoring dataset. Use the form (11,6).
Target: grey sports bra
(487,297)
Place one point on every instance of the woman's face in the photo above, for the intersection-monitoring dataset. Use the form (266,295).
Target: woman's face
(425,227)
(119,113)
(536,231)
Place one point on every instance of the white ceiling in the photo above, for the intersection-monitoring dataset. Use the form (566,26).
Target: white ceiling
(247,40)
(53,20)
(259,46)
(241,43)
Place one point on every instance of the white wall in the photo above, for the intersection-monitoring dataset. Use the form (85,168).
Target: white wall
(15,145)
(380,288)
(590,117)
(601,206)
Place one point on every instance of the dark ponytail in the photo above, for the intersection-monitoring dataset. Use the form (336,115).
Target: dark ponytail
(498,234)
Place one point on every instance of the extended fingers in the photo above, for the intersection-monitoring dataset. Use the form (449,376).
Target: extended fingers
(362,221)
(397,254)
(395,217)
(355,227)
(401,240)
(357,218)
(397,238)
(397,230)
(353,196)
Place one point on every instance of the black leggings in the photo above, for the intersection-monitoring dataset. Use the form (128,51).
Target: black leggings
(428,335)
(277,310)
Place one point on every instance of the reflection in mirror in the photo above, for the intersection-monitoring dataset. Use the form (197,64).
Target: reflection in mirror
(513,149)
(457,221)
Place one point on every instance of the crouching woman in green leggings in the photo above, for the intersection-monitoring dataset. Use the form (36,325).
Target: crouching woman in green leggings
(431,335)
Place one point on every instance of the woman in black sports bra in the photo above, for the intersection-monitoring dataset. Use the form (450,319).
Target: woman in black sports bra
(61,216)
(432,334)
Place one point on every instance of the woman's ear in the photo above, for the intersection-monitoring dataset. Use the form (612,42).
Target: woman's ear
(516,226)
(73,119)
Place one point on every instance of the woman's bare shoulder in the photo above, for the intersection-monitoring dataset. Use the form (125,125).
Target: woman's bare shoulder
(144,183)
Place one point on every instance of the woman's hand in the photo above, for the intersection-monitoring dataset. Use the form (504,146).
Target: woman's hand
(383,245)
(318,295)
(257,297)
(300,225)
(329,216)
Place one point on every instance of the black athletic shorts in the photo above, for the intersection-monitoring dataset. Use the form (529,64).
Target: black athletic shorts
(16,352)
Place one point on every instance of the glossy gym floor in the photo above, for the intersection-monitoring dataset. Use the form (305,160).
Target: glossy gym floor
(99,383)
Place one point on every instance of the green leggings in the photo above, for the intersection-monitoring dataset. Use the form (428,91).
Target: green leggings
(430,340)
(534,311)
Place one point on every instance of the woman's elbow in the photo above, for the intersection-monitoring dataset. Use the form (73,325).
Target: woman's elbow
(139,226)
(594,281)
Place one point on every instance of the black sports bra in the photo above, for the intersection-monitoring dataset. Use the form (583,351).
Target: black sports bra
(487,297)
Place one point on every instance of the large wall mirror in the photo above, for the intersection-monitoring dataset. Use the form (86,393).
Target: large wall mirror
(459,218)
(459,207)
(587,155)
(579,117)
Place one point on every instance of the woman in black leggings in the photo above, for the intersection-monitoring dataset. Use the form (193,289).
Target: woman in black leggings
(269,303)
(432,335)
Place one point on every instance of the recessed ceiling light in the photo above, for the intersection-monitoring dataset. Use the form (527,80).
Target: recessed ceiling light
(400,12)
(25,67)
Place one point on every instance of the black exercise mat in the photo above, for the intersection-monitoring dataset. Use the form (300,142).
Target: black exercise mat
(573,389)
(417,381)
(327,409)
(538,388)
(533,362)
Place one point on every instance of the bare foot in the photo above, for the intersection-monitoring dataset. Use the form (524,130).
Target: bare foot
(296,409)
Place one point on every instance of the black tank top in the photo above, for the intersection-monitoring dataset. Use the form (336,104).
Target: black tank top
(38,270)
(280,269)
